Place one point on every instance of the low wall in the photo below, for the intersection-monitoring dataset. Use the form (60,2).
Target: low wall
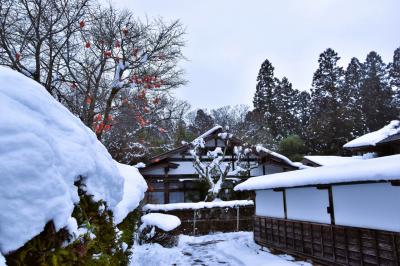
(201,221)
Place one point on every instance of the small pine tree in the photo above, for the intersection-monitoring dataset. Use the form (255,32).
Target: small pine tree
(293,147)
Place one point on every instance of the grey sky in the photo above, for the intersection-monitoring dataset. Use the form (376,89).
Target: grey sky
(227,40)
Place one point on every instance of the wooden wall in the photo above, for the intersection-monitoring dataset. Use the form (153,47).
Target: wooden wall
(328,244)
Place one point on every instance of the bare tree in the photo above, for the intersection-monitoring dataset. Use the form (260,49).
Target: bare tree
(130,142)
(118,58)
(34,35)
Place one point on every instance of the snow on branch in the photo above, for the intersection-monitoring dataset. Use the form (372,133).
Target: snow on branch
(218,166)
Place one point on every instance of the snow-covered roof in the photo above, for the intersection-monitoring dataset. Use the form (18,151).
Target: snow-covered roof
(261,149)
(331,160)
(378,169)
(43,151)
(185,145)
(197,205)
(165,222)
(209,132)
(372,138)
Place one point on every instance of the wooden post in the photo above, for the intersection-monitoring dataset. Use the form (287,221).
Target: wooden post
(237,218)
(194,222)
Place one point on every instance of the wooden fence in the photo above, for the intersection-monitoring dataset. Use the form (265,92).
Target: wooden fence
(328,244)
(210,220)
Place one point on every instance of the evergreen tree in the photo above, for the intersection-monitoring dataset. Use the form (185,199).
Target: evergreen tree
(376,94)
(265,88)
(284,120)
(257,131)
(263,100)
(302,112)
(325,130)
(293,147)
(351,99)
(395,78)
(202,122)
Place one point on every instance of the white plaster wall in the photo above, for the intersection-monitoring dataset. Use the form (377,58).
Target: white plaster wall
(368,205)
(184,168)
(154,171)
(269,203)
(308,204)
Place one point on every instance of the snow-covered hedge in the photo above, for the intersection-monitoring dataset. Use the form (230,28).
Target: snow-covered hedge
(44,149)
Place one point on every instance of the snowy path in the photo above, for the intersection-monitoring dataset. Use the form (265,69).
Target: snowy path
(233,249)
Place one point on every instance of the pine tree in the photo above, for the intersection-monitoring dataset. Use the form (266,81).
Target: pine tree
(351,98)
(302,112)
(325,130)
(263,100)
(377,96)
(202,122)
(395,79)
(284,121)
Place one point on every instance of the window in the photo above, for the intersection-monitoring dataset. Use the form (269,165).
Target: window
(175,197)
(156,197)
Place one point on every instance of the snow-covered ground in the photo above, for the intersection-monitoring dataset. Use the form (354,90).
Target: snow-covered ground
(217,249)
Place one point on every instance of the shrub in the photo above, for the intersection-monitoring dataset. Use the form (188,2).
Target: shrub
(102,243)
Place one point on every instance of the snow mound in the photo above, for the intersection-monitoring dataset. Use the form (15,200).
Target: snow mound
(197,205)
(372,138)
(378,169)
(44,149)
(134,188)
(165,222)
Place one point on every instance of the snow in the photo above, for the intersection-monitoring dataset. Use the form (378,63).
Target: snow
(44,149)
(2,260)
(140,165)
(331,160)
(165,222)
(225,135)
(208,132)
(197,205)
(372,138)
(232,249)
(261,149)
(378,169)
(134,188)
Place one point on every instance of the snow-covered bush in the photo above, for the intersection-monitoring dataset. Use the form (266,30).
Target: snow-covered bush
(159,228)
(61,193)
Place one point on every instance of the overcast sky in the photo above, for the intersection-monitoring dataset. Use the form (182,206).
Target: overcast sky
(227,40)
